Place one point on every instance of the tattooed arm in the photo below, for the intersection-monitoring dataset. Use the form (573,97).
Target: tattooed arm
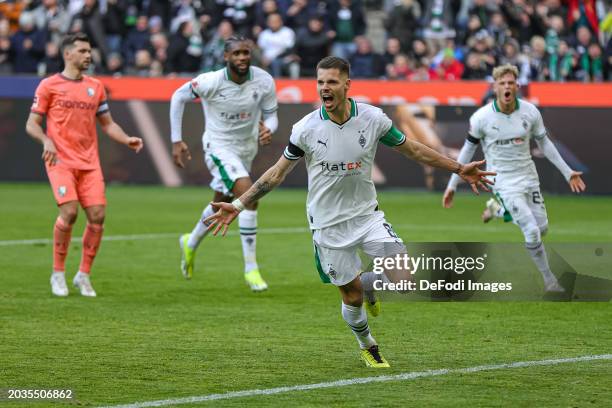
(267,182)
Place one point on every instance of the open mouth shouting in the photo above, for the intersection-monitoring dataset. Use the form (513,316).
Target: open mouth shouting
(328,100)
(507,96)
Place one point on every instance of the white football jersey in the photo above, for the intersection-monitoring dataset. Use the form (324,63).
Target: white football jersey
(232,110)
(339,159)
(505,143)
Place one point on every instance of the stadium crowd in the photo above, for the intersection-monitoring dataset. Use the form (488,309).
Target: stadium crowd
(548,40)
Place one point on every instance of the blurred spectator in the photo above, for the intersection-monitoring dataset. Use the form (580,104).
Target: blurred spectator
(482,9)
(591,65)
(158,48)
(450,69)
(523,20)
(312,45)
(475,68)
(156,25)
(90,20)
(114,64)
(113,17)
(498,29)
(263,11)
(537,59)
(5,46)
(346,22)
(276,43)
(137,39)
(298,14)
(392,49)
(184,51)
(403,21)
(482,45)
(53,62)
(511,55)
(241,13)
(548,40)
(422,72)
(561,65)
(214,49)
(420,52)
(12,10)
(27,45)
(365,63)
(399,69)
(142,64)
(53,17)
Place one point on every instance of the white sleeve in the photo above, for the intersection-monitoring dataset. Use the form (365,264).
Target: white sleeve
(177,106)
(271,121)
(552,154)
(538,130)
(475,126)
(269,103)
(465,155)
(296,147)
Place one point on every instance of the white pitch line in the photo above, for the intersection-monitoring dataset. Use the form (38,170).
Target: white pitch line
(364,380)
(294,230)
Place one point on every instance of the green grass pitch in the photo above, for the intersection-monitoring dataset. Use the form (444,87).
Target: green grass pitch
(152,335)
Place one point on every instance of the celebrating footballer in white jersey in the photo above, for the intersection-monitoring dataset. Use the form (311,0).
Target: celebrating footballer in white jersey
(234,100)
(504,128)
(338,142)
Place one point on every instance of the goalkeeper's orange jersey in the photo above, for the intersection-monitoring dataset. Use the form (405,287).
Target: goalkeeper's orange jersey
(71,107)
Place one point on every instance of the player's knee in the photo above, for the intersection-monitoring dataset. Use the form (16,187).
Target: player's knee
(252,206)
(532,233)
(97,216)
(543,229)
(351,297)
(69,215)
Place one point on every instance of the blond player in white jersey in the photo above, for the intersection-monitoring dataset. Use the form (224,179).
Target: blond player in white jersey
(504,128)
(339,142)
(240,107)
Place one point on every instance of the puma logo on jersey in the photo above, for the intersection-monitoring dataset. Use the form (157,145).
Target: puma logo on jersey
(324,143)
(495,128)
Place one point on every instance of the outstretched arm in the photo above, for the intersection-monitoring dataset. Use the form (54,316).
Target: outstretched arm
(552,154)
(177,106)
(114,131)
(469,172)
(266,183)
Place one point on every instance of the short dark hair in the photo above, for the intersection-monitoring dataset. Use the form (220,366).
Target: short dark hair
(70,39)
(233,40)
(340,64)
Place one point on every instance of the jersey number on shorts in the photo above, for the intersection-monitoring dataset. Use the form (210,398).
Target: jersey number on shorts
(389,229)
(537,197)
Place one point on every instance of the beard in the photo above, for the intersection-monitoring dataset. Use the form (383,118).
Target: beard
(241,72)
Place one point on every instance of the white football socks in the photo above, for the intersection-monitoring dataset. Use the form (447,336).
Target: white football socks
(538,254)
(247,222)
(357,321)
(200,230)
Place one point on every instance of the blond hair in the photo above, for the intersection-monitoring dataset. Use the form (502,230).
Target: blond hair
(502,70)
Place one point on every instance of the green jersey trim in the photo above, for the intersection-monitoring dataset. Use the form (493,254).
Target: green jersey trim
(322,275)
(354,111)
(393,137)
(496,106)
(507,215)
(229,183)
(227,75)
